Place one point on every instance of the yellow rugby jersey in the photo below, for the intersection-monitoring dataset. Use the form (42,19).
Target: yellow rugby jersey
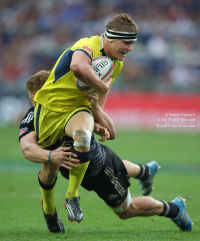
(60,93)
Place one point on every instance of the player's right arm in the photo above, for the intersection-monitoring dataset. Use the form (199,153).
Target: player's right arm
(82,69)
(34,153)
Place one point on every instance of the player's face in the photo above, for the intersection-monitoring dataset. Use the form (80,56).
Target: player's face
(120,48)
(31,96)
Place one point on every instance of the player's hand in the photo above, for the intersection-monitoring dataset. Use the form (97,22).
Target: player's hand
(101,131)
(92,98)
(63,157)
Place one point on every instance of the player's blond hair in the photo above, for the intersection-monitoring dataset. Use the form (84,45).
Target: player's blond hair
(122,22)
(37,80)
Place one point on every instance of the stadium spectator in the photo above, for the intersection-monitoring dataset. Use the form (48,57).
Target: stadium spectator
(177,22)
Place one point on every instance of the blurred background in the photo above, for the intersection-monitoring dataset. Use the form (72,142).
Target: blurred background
(165,59)
(155,104)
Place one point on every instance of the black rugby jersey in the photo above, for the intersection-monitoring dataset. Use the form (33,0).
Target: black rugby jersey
(27,124)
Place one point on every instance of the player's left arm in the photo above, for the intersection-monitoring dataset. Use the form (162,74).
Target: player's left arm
(98,102)
(102,100)
(103,97)
(101,117)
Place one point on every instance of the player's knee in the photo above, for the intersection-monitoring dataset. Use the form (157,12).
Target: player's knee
(130,212)
(81,146)
(82,139)
(124,209)
(46,182)
(51,174)
(48,172)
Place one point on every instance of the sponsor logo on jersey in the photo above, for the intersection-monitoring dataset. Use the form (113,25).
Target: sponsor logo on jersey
(29,117)
(22,131)
(112,196)
(88,50)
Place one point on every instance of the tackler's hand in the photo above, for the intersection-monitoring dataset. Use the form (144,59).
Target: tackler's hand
(62,156)
(101,131)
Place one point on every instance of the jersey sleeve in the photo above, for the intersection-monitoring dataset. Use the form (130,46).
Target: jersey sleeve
(87,45)
(27,124)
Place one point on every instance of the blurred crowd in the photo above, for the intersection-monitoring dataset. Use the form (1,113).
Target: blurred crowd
(166,56)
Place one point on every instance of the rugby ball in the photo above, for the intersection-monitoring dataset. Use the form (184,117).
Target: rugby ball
(103,67)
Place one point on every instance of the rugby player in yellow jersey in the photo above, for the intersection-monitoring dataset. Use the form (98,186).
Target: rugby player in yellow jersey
(62,109)
(59,157)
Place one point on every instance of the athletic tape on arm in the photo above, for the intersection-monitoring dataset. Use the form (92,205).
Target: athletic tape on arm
(83,136)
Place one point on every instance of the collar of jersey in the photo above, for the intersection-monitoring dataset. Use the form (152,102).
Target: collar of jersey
(102,47)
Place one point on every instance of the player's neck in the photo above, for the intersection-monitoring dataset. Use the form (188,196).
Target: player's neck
(105,45)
